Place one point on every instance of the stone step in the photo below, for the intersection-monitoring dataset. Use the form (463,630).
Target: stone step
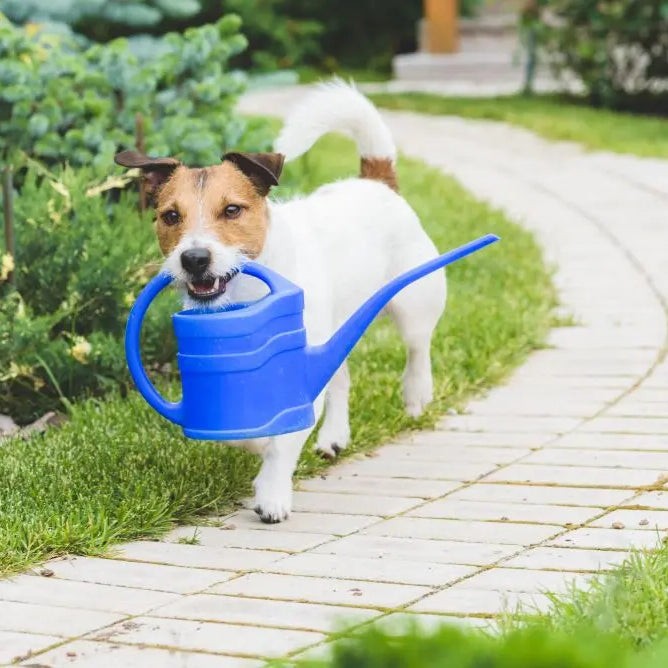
(467,65)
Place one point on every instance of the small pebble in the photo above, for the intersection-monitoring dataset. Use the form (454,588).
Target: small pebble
(617,525)
(228,527)
(504,519)
(46,573)
(70,653)
(644,522)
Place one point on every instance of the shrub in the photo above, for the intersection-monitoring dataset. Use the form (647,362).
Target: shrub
(458,648)
(618,49)
(99,19)
(62,103)
(81,260)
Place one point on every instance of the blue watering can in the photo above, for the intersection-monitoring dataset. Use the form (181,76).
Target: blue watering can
(248,371)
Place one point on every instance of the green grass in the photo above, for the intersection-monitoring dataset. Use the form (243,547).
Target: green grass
(630,602)
(551,117)
(118,471)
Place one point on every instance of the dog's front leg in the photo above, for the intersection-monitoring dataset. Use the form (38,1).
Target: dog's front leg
(273,485)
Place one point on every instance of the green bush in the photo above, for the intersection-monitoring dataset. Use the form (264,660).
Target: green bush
(617,48)
(451,647)
(99,19)
(81,259)
(59,102)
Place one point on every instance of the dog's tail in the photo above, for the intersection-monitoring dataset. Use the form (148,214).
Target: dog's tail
(338,107)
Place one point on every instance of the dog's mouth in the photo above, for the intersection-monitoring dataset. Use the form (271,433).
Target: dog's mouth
(207,288)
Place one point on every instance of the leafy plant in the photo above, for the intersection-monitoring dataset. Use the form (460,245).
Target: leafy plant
(60,102)
(99,19)
(82,258)
(276,39)
(617,48)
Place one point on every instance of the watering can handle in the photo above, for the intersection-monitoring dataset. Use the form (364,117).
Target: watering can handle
(168,409)
(275,282)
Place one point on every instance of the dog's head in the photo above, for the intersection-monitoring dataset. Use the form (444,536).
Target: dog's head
(208,220)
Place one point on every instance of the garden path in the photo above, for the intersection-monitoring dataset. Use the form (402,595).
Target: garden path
(546,480)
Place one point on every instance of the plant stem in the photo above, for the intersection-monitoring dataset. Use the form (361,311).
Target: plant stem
(7,195)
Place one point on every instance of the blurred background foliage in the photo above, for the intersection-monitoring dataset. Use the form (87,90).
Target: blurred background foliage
(618,49)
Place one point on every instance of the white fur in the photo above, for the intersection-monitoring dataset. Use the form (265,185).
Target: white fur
(341,244)
(336,107)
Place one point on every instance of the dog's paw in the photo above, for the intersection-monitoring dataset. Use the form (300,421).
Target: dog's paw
(418,395)
(331,441)
(272,503)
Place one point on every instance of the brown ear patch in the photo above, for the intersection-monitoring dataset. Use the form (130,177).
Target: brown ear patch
(263,169)
(156,170)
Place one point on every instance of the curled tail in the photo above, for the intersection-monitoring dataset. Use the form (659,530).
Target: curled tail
(339,107)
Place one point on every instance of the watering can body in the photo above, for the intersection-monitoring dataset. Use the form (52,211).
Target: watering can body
(248,371)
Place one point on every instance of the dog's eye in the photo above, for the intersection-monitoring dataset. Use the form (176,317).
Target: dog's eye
(171,217)
(232,211)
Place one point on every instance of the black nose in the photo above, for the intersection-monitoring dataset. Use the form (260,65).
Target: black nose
(196,260)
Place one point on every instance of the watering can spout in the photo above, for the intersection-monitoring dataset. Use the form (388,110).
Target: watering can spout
(322,361)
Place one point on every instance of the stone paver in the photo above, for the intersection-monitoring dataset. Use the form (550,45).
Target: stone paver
(15,646)
(549,479)
(94,654)
(219,638)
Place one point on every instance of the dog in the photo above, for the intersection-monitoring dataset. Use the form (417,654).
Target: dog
(340,244)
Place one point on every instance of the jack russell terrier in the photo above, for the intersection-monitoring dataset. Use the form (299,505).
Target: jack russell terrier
(340,244)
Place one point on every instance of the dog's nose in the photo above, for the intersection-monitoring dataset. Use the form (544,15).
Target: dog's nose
(196,260)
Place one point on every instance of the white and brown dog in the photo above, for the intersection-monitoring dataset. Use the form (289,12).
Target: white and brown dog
(340,244)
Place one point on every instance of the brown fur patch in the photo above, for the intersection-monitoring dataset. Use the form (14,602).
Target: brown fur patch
(379,169)
(200,197)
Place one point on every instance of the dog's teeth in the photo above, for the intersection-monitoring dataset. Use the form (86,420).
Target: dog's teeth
(191,286)
(216,284)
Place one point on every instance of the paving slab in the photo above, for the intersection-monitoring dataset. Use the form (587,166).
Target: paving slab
(52,620)
(286,587)
(220,638)
(467,531)
(456,509)
(158,577)
(418,550)
(647,520)
(15,646)
(526,580)
(371,568)
(551,477)
(96,654)
(81,595)
(277,614)
(488,602)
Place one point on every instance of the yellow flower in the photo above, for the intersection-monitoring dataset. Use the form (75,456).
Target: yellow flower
(129,299)
(6,266)
(81,350)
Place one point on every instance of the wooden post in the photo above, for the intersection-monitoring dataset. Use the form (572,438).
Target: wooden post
(441,25)
(7,194)
(141,147)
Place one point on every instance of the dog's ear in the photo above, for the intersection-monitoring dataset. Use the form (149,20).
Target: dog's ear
(156,170)
(263,169)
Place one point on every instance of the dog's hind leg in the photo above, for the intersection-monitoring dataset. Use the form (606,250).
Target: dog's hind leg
(416,311)
(273,484)
(335,430)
